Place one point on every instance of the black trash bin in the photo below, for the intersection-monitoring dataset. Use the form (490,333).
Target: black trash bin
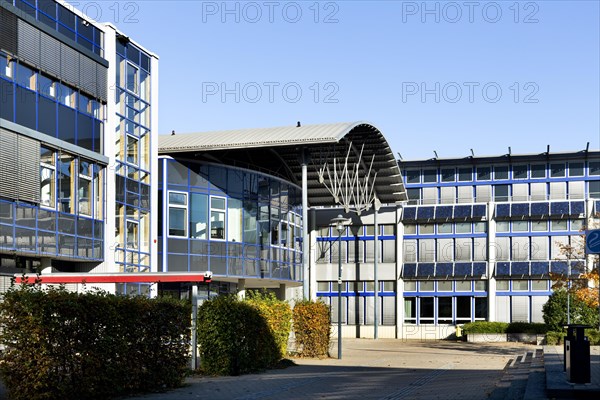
(577,354)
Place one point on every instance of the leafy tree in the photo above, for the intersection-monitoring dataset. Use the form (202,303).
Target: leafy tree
(584,286)
(555,311)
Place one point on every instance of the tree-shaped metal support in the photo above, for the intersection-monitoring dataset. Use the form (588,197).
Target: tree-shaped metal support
(353,188)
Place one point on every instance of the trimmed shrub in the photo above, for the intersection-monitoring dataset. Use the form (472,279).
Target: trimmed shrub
(527,327)
(67,345)
(485,327)
(504,327)
(557,337)
(555,311)
(554,338)
(278,315)
(312,328)
(234,337)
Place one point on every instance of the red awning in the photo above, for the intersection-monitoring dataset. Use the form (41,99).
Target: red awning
(138,277)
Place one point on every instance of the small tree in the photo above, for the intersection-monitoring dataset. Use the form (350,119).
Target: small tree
(555,311)
(585,286)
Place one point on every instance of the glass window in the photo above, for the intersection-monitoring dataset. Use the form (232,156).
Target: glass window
(520,285)
(413,176)
(519,171)
(217,218)
(410,310)
(538,226)
(47,177)
(538,171)
(46,86)
(85,104)
(426,310)
(559,225)
(132,234)
(410,286)
(480,227)
(465,174)
(177,198)
(177,221)
(594,189)
(66,95)
(502,226)
(483,173)
(463,227)
(410,229)
(463,286)
(501,192)
(132,150)
(577,224)
(6,66)
(199,216)
(132,78)
(557,170)
(25,76)
(502,285)
(444,310)
(84,194)
(501,172)
(448,175)
(575,169)
(234,223)
(444,286)
(520,226)
(65,186)
(480,286)
(426,229)
(594,168)
(429,175)
(539,285)
(178,214)
(414,195)
(426,286)
(323,286)
(445,228)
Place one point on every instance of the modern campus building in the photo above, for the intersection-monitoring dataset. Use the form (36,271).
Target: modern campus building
(78,140)
(90,192)
(477,240)
(232,202)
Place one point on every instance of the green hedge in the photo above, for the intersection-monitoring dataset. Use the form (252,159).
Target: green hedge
(234,337)
(504,327)
(312,328)
(485,327)
(278,315)
(60,344)
(527,327)
(557,337)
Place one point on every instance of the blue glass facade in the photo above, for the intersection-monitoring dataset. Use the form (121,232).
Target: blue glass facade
(231,221)
(52,115)
(133,147)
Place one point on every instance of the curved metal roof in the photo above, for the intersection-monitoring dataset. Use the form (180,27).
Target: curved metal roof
(280,151)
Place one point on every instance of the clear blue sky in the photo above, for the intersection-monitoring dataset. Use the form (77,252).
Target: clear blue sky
(427,74)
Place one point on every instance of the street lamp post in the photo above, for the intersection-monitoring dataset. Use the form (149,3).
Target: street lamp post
(339,226)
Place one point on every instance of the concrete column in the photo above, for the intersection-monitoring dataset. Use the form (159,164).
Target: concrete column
(281,292)
(241,289)
(46,266)
(399,280)
(305,243)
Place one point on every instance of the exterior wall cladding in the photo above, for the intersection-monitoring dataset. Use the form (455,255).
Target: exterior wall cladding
(242,225)
(476,241)
(76,159)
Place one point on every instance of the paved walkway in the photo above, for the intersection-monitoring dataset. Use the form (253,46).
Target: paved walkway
(383,369)
(390,369)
